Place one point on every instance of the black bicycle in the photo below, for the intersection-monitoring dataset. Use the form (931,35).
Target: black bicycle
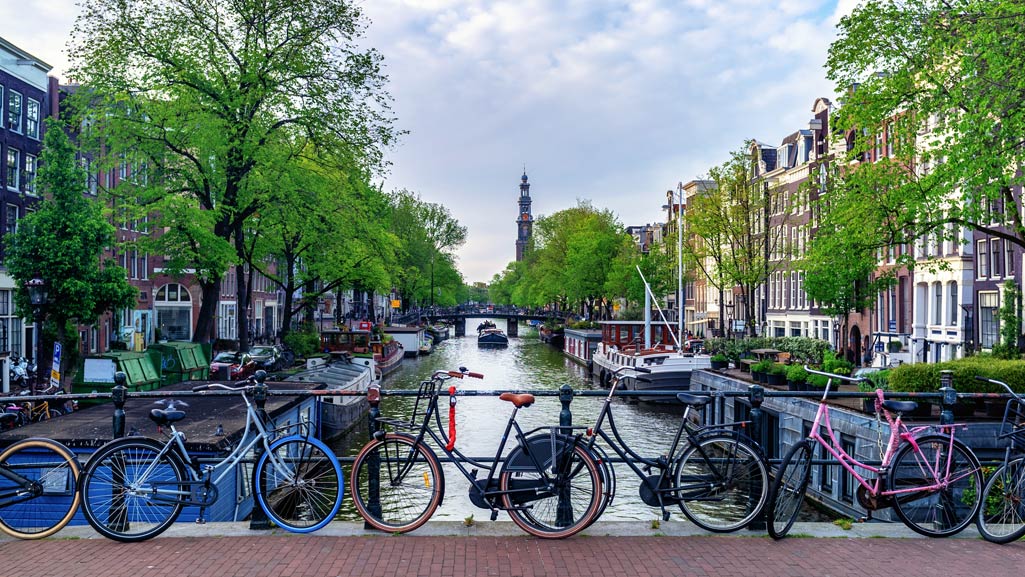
(1001,518)
(714,473)
(549,483)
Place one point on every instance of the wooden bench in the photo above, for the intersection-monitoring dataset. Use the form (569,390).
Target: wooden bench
(745,364)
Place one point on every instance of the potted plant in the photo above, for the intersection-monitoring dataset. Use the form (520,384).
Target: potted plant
(874,380)
(720,361)
(893,346)
(776,375)
(797,378)
(759,369)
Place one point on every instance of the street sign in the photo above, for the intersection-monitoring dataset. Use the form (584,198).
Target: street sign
(55,370)
(893,325)
(396,303)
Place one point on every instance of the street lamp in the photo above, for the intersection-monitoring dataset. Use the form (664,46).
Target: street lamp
(38,297)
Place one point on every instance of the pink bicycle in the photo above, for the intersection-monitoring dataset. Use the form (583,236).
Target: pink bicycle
(932,480)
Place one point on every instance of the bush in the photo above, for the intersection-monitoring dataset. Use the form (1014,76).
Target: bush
(925,377)
(778,369)
(719,358)
(303,342)
(875,380)
(762,366)
(802,349)
(797,374)
(837,366)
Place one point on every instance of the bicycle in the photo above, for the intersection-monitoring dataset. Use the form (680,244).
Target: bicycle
(549,483)
(717,476)
(926,476)
(134,488)
(1001,517)
(38,488)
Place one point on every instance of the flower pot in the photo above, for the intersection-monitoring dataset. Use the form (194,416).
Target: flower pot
(758,376)
(775,379)
(796,385)
(719,365)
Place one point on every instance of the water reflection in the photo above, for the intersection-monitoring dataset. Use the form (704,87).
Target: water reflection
(527,364)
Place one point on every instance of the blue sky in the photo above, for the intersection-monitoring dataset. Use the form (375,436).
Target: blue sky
(612,101)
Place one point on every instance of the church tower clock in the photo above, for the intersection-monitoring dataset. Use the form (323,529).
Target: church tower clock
(525,221)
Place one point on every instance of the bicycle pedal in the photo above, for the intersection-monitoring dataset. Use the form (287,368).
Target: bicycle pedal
(665,516)
(494,515)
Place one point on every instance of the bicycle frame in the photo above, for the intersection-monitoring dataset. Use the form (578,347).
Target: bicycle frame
(939,473)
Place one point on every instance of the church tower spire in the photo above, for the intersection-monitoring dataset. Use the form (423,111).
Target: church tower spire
(525,221)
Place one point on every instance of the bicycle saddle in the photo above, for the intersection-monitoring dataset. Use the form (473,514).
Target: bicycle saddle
(165,416)
(524,400)
(695,401)
(900,406)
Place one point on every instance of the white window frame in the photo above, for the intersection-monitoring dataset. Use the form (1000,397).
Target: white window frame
(9,119)
(15,172)
(32,125)
(31,172)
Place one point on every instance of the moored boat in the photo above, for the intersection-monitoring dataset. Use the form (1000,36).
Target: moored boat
(387,354)
(488,335)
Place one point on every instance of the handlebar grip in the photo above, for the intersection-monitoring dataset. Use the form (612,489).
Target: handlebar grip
(475,375)
(641,369)
(455,374)
(981,378)
(199,388)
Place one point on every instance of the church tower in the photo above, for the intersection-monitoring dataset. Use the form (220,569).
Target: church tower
(525,221)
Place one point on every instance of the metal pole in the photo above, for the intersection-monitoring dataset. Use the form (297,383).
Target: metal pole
(374,462)
(259,520)
(756,395)
(949,397)
(564,511)
(118,514)
(679,264)
(119,394)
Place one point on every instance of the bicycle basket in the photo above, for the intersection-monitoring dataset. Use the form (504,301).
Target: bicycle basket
(1013,425)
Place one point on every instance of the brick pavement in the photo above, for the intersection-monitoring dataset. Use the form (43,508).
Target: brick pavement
(410,555)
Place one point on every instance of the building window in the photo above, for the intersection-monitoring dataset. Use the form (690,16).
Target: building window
(989,326)
(32,118)
(983,257)
(1009,266)
(937,315)
(14,110)
(952,309)
(31,166)
(996,261)
(13,172)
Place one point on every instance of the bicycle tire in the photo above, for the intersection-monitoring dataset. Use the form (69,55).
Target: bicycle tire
(53,413)
(53,496)
(608,479)
(411,483)
(1001,517)
(305,495)
(120,512)
(788,489)
(723,484)
(550,514)
(936,513)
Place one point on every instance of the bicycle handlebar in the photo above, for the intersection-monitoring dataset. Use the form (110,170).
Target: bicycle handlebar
(256,378)
(832,376)
(1002,384)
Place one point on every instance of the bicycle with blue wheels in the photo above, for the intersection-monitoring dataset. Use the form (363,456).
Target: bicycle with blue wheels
(134,488)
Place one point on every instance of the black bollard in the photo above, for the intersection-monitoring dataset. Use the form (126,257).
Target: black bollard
(949,397)
(374,462)
(119,394)
(565,415)
(564,511)
(756,395)
(259,520)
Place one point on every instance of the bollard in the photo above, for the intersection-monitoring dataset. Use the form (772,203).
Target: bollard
(119,394)
(949,397)
(374,462)
(259,520)
(564,510)
(756,395)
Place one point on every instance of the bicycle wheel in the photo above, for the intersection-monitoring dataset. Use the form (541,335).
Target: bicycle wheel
(936,512)
(722,483)
(1001,517)
(52,414)
(608,479)
(38,488)
(299,484)
(565,508)
(788,489)
(127,489)
(407,479)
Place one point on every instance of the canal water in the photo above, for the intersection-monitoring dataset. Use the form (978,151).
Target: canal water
(526,364)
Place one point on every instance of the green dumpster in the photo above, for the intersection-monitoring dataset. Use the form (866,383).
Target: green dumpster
(179,361)
(97,372)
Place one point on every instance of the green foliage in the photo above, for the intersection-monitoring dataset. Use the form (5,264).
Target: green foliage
(797,374)
(719,358)
(875,380)
(429,236)
(303,342)
(802,349)
(63,242)
(925,377)
(779,369)
(762,366)
(838,366)
(1010,322)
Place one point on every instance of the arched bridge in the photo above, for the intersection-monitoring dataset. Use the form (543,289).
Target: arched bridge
(457,316)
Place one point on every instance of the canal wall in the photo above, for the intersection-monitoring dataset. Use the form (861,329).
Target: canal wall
(787,420)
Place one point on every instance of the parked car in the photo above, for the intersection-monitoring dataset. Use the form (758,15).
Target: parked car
(232,366)
(267,357)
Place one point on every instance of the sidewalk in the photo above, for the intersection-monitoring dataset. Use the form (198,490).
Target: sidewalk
(443,549)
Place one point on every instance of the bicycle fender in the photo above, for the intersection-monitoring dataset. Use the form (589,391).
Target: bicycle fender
(540,448)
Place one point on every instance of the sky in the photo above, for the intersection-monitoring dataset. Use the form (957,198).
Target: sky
(609,101)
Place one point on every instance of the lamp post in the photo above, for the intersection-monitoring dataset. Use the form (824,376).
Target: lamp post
(37,296)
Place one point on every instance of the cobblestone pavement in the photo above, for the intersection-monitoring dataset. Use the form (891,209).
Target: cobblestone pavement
(217,553)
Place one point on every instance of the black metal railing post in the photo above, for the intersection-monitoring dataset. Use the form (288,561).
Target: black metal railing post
(118,514)
(119,394)
(564,512)
(258,520)
(756,396)
(374,462)
(949,398)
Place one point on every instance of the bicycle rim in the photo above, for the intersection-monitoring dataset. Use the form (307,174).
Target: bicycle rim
(45,496)
(1001,518)
(945,511)
(119,486)
(408,480)
(722,484)
(299,484)
(788,489)
(568,508)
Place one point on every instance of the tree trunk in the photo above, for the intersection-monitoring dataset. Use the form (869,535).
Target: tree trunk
(205,329)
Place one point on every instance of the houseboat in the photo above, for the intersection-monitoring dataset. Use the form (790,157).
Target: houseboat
(488,335)
(554,336)
(411,338)
(623,344)
(580,344)
(386,352)
(338,414)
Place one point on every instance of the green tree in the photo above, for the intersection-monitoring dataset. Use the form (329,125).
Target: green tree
(62,242)
(211,94)
(429,236)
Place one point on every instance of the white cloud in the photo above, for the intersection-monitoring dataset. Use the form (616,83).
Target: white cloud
(611,100)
